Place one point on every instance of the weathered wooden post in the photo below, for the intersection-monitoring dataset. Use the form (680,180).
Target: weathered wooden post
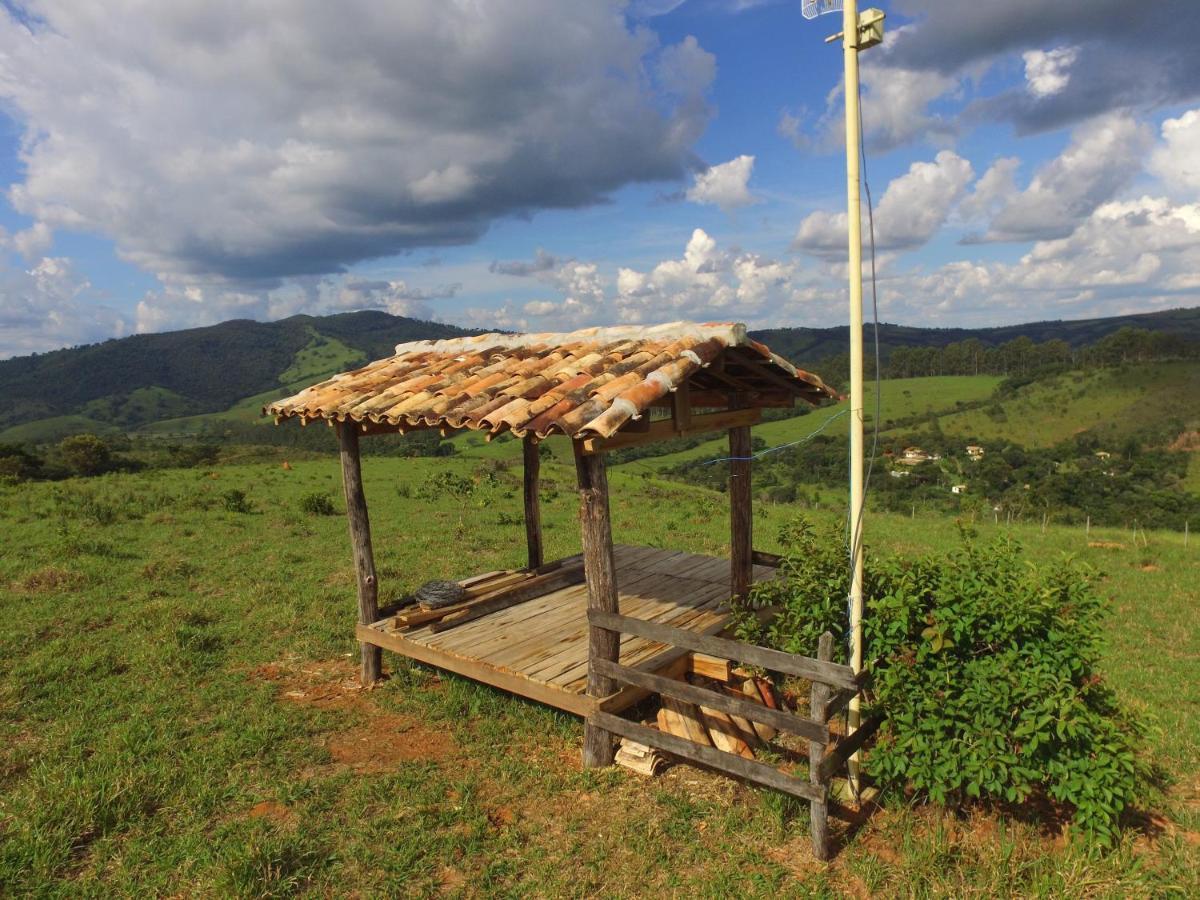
(360,541)
(819,810)
(600,570)
(533,512)
(741,535)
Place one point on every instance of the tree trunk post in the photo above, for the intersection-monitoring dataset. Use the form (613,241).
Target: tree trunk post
(360,541)
(741,535)
(533,512)
(601,572)
(819,811)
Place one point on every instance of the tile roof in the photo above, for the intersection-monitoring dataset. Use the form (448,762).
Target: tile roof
(584,383)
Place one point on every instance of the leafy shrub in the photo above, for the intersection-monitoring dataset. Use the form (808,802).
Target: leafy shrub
(317,504)
(984,666)
(235,501)
(85,454)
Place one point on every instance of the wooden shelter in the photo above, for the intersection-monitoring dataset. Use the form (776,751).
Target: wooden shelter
(590,634)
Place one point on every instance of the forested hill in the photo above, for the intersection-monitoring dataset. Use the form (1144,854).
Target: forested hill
(145,377)
(807,346)
(128,383)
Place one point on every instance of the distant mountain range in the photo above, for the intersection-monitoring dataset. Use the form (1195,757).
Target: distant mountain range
(231,368)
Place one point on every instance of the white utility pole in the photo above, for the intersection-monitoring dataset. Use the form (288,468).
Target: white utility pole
(858,33)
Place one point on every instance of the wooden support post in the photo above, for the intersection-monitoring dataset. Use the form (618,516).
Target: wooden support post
(601,572)
(819,810)
(741,536)
(533,510)
(360,541)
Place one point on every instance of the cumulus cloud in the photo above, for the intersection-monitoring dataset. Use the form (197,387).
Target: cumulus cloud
(239,143)
(1103,156)
(1177,159)
(912,209)
(1048,72)
(724,185)
(51,305)
(1126,56)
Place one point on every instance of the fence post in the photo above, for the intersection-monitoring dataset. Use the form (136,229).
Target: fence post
(819,810)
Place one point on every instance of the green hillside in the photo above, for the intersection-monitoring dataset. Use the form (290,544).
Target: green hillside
(901,400)
(153,378)
(1111,404)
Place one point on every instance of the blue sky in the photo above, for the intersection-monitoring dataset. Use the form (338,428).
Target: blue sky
(551,165)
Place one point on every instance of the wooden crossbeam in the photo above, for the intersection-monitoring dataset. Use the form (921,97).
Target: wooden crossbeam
(665,429)
(681,690)
(833,674)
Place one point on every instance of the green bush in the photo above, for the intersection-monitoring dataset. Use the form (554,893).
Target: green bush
(317,504)
(85,454)
(235,501)
(984,666)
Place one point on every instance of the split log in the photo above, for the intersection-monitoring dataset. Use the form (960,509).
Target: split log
(683,720)
(710,666)
(723,733)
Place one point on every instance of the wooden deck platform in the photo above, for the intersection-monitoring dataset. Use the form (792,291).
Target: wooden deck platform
(539,648)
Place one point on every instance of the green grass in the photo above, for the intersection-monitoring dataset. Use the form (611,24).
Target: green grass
(900,399)
(178,713)
(52,430)
(1110,403)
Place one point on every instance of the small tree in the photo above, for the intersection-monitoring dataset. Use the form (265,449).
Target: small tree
(85,454)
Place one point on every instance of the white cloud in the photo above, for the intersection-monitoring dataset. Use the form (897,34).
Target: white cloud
(912,209)
(1177,159)
(50,305)
(994,188)
(1048,72)
(724,185)
(251,142)
(1103,156)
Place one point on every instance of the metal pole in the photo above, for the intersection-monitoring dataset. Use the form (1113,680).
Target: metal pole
(854,220)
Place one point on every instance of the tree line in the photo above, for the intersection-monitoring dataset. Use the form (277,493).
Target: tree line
(1022,356)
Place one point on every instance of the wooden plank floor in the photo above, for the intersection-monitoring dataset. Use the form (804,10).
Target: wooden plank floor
(539,648)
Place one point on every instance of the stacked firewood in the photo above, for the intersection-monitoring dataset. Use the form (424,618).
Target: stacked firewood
(703,724)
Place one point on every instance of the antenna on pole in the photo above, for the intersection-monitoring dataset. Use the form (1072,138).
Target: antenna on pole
(810,9)
(858,33)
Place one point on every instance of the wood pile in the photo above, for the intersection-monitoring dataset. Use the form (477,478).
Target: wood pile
(491,592)
(707,726)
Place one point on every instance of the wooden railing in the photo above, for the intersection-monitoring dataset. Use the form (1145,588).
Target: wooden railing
(833,685)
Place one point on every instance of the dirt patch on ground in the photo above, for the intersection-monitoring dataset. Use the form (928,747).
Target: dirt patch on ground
(1106,545)
(325,684)
(270,810)
(387,740)
(52,578)
(379,741)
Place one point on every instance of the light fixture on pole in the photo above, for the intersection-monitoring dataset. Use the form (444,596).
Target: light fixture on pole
(858,33)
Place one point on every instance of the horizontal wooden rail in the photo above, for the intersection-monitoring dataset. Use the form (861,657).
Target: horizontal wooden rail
(731,763)
(681,690)
(833,674)
(847,747)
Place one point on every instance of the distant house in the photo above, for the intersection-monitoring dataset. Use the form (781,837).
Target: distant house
(959,489)
(975,452)
(899,473)
(914,456)
(1102,454)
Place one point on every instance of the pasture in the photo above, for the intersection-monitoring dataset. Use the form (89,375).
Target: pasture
(179,714)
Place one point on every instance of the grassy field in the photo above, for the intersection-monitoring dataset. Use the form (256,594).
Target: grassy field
(900,399)
(1112,403)
(179,715)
